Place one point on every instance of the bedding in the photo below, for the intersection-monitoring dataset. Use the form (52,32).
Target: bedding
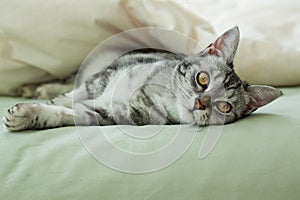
(254,158)
(45,40)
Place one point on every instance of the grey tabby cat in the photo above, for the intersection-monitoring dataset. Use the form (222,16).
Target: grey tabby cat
(150,86)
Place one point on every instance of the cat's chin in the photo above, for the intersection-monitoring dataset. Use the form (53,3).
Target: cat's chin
(201,118)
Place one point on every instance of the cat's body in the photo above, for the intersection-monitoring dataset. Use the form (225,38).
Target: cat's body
(151,86)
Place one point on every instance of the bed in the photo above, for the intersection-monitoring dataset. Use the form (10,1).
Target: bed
(254,158)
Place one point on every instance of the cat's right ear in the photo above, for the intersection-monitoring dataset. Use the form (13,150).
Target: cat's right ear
(226,45)
(260,95)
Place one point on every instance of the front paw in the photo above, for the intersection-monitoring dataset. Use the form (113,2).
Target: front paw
(18,117)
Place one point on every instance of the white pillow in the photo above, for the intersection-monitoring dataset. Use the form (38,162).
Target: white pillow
(43,40)
(269,51)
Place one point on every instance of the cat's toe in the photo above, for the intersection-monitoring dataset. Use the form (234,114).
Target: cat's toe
(20,110)
(12,123)
(16,117)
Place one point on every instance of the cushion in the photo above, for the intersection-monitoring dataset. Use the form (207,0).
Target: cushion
(46,40)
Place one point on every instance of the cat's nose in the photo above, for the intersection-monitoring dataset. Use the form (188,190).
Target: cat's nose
(202,102)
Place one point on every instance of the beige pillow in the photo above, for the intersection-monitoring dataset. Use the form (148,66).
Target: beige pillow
(269,52)
(43,40)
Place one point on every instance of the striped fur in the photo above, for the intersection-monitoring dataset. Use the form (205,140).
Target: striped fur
(150,86)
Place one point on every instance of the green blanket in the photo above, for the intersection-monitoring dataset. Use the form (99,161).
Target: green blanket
(255,158)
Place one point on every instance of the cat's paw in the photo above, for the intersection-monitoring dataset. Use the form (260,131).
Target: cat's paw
(44,92)
(19,117)
(27,91)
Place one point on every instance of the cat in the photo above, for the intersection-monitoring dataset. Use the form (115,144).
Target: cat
(152,86)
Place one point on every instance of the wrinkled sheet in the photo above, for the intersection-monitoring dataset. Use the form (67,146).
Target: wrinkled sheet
(254,158)
(45,40)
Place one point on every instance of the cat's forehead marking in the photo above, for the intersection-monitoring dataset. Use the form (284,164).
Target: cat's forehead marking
(211,64)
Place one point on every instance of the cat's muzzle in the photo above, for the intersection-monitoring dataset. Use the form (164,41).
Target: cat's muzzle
(201,103)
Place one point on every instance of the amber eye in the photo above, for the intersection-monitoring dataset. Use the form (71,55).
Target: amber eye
(203,79)
(224,107)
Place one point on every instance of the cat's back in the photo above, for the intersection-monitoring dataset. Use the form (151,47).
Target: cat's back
(137,67)
(133,69)
(144,56)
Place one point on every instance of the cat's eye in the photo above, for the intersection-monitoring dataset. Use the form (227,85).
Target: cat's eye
(224,107)
(203,79)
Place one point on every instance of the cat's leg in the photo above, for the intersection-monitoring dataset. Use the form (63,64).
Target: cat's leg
(60,111)
(90,89)
(27,91)
(47,90)
(71,98)
(37,116)
(51,90)
(30,116)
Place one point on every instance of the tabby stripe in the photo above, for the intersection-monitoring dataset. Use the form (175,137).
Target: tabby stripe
(195,85)
(180,71)
(159,112)
(170,120)
(103,113)
(230,65)
(245,84)
(229,97)
(229,74)
(6,119)
(138,117)
(35,121)
(8,126)
(100,112)
(145,60)
(228,78)
(235,86)
(146,100)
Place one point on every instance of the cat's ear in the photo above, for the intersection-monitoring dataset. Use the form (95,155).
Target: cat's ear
(226,45)
(259,96)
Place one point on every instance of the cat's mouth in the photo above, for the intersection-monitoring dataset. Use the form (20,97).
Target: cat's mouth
(201,117)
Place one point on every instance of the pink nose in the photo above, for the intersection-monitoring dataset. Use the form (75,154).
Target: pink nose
(202,103)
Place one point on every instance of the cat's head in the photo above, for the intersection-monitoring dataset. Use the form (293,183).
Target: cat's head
(211,90)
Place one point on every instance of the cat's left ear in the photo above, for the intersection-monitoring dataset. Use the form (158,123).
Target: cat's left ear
(226,45)
(259,96)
